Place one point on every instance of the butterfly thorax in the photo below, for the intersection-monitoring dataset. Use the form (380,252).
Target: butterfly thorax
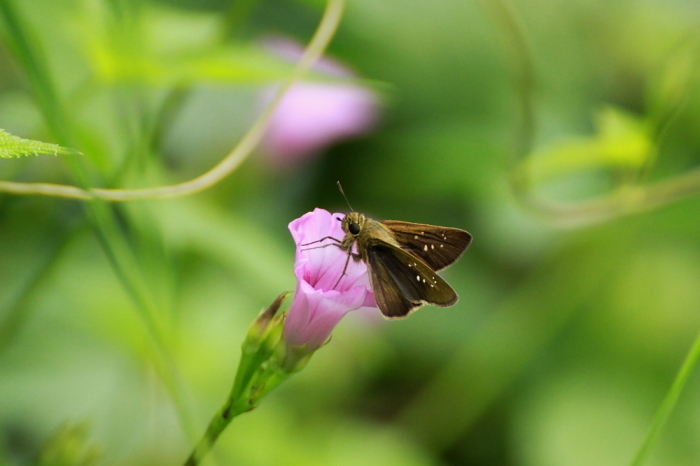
(365,232)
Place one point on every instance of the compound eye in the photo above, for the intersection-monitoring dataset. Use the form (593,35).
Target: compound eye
(354,228)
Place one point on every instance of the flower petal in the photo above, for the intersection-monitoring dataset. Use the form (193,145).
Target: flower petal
(324,294)
(313,115)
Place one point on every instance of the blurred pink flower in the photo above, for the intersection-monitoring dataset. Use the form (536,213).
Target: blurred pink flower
(318,306)
(314,115)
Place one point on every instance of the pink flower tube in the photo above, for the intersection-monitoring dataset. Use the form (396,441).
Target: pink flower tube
(319,303)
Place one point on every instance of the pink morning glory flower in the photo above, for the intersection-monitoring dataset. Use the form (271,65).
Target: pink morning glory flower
(314,115)
(320,300)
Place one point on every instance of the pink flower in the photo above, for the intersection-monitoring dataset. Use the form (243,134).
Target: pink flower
(319,303)
(314,115)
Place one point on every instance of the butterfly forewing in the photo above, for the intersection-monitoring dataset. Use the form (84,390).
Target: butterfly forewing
(402,282)
(436,246)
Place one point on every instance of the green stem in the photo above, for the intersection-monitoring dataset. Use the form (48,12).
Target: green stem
(21,44)
(668,405)
(114,243)
(517,45)
(243,398)
(216,427)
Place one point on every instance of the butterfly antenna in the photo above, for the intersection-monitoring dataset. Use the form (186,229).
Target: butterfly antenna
(340,188)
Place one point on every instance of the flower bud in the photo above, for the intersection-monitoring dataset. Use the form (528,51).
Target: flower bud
(259,329)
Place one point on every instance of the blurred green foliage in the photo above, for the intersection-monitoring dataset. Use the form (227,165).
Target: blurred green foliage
(130,317)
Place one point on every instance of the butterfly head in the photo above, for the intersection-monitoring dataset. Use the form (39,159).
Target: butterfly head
(353,223)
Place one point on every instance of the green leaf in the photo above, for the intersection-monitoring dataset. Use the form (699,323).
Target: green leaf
(621,142)
(233,64)
(12,147)
(173,48)
(623,138)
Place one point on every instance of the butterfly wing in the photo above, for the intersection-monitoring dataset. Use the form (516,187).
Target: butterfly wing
(402,283)
(436,246)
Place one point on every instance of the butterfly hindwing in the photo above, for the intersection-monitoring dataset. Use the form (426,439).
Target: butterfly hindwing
(390,301)
(403,283)
(437,246)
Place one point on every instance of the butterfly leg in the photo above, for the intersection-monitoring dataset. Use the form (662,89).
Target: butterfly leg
(340,244)
(345,268)
(356,257)
(322,239)
(337,243)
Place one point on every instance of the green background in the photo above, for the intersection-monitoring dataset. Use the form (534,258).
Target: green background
(565,339)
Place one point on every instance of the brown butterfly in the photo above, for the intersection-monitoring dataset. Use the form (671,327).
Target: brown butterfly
(402,260)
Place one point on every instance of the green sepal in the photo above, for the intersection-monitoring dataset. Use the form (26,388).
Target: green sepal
(264,334)
(294,358)
(261,326)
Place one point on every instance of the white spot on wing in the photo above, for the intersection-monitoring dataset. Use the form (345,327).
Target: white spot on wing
(425,248)
(432,246)
(418,277)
